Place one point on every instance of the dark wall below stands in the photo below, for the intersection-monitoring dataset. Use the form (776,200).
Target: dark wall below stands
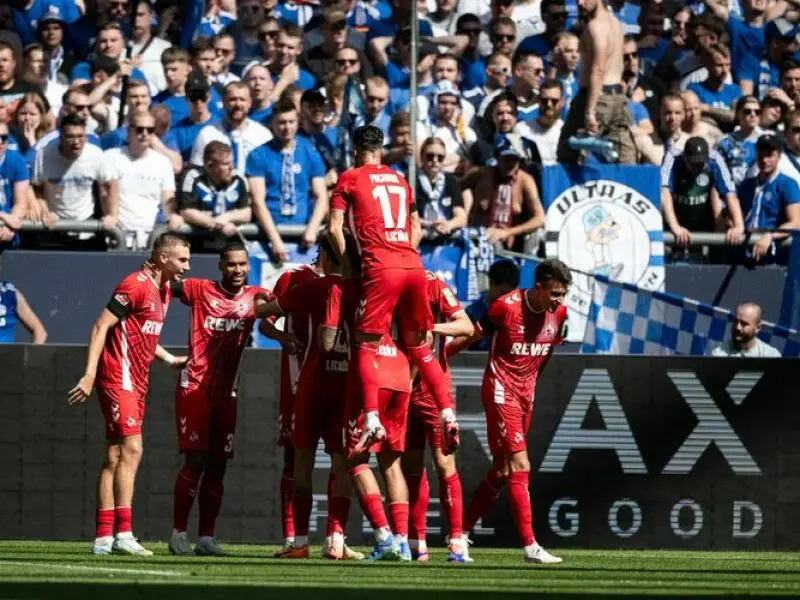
(68,290)
(625,452)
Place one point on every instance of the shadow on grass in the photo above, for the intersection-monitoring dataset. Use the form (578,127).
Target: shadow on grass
(104,591)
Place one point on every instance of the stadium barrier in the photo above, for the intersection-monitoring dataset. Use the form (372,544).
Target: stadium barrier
(89,226)
(625,452)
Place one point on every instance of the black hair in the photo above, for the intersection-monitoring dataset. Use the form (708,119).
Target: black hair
(504,272)
(232,246)
(552,270)
(368,138)
(72,120)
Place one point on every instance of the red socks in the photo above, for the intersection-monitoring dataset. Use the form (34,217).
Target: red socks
(486,494)
(431,371)
(367,364)
(338,513)
(452,503)
(104,522)
(520,500)
(372,505)
(122,519)
(211,490)
(399,512)
(301,506)
(418,497)
(287,512)
(183,497)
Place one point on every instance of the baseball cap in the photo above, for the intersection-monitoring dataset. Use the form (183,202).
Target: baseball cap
(53,15)
(769,142)
(509,144)
(333,15)
(696,149)
(445,87)
(196,82)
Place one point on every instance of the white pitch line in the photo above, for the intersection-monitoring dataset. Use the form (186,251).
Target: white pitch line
(90,568)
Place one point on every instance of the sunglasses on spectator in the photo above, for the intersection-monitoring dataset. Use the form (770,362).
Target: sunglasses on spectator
(557,15)
(471,31)
(79,107)
(264,35)
(142,129)
(630,55)
(504,37)
(4,137)
(346,61)
(431,156)
(549,101)
(751,111)
(793,130)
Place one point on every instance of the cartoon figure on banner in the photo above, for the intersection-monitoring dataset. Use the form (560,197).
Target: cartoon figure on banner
(601,231)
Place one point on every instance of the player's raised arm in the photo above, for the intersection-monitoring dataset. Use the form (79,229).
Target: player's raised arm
(97,339)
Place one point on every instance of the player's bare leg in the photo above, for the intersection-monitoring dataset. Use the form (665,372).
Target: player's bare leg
(413,464)
(302,500)
(210,500)
(421,355)
(519,498)
(124,479)
(287,486)
(396,497)
(340,491)
(184,493)
(369,495)
(104,523)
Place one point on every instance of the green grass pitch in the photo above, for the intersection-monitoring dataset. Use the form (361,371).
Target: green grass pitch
(62,570)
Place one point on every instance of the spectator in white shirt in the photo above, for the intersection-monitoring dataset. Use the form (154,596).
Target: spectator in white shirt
(140,184)
(449,125)
(64,180)
(744,340)
(147,48)
(545,129)
(236,130)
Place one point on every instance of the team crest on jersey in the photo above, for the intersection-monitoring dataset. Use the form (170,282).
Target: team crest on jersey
(242,308)
(122,299)
(214,303)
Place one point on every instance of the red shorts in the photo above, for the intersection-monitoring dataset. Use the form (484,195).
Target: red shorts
(387,292)
(123,411)
(423,422)
(507,420)
(205,423)
(290,370)
(393,413)
(318,415)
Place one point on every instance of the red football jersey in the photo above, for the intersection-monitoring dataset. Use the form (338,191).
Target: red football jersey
(220,326)
(522,343)
(444,305)
(377,202)
(291,363)
(131,346)
(392,361)
(309,301)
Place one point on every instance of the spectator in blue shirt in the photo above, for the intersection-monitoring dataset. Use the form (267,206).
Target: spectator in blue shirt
(376,105)
(739,147)
(288,49)
(262,90)
(27,17)
(770,199)
(652,45)
(715,95)
(110,43)
(287,182)
(175,62)
(564,67)
(694,184)
(14,187)
(185,131)
(15,308)
(759,75)
(554,15)
(503,279)
(313,127)
(246,30)
(473,65)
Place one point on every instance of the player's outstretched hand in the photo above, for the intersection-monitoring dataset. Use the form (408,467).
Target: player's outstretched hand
(81,392)
(179,362)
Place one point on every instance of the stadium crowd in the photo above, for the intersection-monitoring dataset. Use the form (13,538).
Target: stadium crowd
(217,113)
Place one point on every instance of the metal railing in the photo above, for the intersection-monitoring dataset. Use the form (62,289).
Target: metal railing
(90,226)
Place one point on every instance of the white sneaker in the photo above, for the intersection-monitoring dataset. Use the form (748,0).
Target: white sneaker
(179,544)
(207,546)
(538,555)
(458,550)
(103,545)
(349,554)
(129,545)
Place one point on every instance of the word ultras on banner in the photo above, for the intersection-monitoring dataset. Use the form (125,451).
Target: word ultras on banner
(685,515)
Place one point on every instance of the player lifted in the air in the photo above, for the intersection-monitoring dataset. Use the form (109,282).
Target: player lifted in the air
(525,326)
(380,213)
(423,422)
(319,405)
(122,344)
(223,313)
(293,339)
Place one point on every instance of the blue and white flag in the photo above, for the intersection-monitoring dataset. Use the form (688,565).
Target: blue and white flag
(627,319)
(607,221)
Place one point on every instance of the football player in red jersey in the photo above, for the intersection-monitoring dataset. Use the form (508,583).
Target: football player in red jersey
(318,407)
(122,344)
(525,326)
(382,217)
(293,340)
(222,317)
(423,422)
